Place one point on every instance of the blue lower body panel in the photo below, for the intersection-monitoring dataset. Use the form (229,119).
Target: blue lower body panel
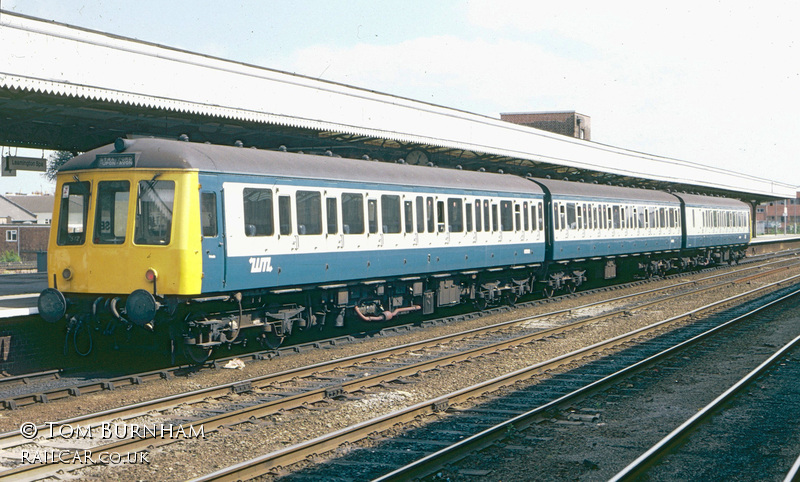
(285,271)
(710,240)
(587,248)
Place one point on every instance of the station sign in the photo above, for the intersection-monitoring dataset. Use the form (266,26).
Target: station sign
(12,163)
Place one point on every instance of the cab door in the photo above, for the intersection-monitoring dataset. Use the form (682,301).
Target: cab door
(213,237)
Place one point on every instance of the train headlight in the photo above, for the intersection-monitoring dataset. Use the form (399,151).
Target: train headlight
(52,305)
(66,274)
(141,307)
(151,275)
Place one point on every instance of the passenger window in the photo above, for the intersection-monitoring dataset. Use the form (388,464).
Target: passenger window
(208,214)
(429,213)
(390,214)
(540,216)
(309,212)
(557,221)
(586,220)
(332,215)
(420,214)
(478,222)
(455,215)
(486,219)
(258,216)
(572,217)
(73,213)
(372,215)
(468,211)
(440,215)
(111,214)
(495,219)
(352,213)
(616,218)
(506,215)
(153,223)
(285,214)
(408,212)
(525,217)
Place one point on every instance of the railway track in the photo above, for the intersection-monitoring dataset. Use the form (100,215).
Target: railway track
(29,395)
(386,458)
(328,386)
(763,405)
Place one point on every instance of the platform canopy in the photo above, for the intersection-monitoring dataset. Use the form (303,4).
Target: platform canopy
(68,88)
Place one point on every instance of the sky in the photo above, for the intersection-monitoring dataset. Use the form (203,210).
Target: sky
(711,82)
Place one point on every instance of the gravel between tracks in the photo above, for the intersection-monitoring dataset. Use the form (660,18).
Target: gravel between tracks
(182,460)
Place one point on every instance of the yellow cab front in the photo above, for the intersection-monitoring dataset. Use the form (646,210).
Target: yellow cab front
(116,231)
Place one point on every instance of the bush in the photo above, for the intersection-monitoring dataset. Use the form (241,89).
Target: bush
(10,257)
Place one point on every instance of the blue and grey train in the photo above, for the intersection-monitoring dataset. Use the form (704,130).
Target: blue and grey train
(199,242)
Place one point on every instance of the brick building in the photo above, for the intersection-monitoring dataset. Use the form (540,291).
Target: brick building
(568,123)
(771,217)
(25,225)
(26,240)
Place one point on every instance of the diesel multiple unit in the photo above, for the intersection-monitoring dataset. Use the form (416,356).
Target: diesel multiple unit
(196,242)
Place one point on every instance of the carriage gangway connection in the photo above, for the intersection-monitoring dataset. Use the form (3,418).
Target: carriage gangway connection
(19,292)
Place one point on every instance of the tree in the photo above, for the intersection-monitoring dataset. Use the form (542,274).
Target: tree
(54,163)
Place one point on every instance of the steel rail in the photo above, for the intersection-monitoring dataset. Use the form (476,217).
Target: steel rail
(662,447)
(237,416)
(450,454)
(26,377)
(10,439)
(296,453)
(139,378)
(794,473)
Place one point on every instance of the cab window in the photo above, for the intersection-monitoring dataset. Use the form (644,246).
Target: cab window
(73,213)
(111,214)
(154,212)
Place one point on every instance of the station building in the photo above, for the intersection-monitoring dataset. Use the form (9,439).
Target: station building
(568,123)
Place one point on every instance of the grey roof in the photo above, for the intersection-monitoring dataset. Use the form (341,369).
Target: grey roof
(17,213)
(33,203)
(168,154)
(587,190)
(710,201)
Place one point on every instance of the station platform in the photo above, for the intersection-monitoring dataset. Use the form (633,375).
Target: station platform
(773,238)
(19,293)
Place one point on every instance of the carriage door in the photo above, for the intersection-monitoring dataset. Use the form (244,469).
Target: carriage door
(213,238)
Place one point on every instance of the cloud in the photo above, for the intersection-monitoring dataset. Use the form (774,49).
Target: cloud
(705,82)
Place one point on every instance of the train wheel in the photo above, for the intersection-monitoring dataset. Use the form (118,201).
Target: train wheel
(481,304)
(196,354)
